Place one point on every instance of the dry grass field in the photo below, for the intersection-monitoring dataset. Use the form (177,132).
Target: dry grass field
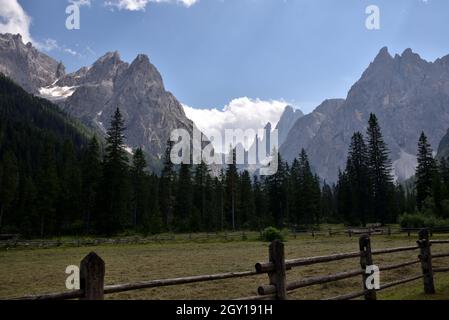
(38,271)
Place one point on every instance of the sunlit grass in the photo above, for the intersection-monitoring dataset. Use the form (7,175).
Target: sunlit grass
(37,271)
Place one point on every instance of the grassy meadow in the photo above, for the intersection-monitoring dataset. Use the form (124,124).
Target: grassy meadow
(38,271)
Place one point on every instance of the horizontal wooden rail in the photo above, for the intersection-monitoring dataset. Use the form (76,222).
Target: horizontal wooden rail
(55,296)
(445,269)
(399,265)
(256,298)
(175,281)
(348,296)
(264,267)
(399,282)
(393,250)
(439,241)
(440,255)
(307,282)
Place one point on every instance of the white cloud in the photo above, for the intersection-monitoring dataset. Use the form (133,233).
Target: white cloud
(13,19)
(139,5)
(242,113)
(81,3)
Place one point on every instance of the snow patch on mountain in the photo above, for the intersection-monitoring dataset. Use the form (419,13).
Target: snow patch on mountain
(54,92)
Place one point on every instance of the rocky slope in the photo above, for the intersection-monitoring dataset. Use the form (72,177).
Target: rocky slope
(92,94)
(408,95)
(28,67)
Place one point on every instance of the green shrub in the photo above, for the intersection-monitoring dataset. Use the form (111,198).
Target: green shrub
(420,220)
(271,233)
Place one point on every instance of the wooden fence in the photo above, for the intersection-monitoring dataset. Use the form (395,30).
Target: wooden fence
(14,241)
(92,271)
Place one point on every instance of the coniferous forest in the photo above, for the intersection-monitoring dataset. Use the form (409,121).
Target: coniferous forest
(57,178)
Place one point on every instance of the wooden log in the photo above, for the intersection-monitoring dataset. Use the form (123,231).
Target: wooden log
(399,265)
(307,282)
(399,282)
(92,270)
(426,261)
(55,296)
(394,250)
(366,260)
(348,296)
(277,276)
(445,269)
(258,298)
(175,281)
(264,267)
(439,241)
(440,255)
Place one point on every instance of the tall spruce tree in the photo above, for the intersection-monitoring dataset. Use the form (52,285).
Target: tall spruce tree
(9,181)
(185,217)
(167,188)
(91,178)
(231,182)
(139,181)
(115,190)
(277,188)
(425,171)
(380,172)
(357,171)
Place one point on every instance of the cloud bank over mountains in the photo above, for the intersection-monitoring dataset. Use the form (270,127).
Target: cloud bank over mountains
(242,113)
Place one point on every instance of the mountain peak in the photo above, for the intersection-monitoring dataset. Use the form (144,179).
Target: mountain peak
(109,56)
(383,55)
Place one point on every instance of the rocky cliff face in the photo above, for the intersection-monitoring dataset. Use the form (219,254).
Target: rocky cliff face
(286,122)
(93,93)
(28,67)
(408,95)
(150,112)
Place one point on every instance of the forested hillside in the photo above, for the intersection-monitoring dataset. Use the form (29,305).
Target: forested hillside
(38,145)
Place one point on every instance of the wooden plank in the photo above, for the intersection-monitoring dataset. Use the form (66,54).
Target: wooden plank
(264,267)
(393,250)
(55,296)
(426,261)
(307,282)
(366,260)
(277,276)
(348,296)
(176,281)
(92,270)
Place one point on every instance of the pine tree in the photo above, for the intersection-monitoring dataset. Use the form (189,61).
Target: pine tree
(262,216)
(115,185)
(231,182)
(69,218)
(247,207)
(310,190)
(277,187)
(184,214)
(9,180)
(201,177)
(357,171)
(139,180)
(380,168)
(47,189)
(91,178)
(425,171)
(166,189)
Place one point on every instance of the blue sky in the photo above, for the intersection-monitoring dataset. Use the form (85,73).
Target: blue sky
(214,51)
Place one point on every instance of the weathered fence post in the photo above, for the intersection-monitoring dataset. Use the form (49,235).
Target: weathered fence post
(277,277)
(366,259)
(426,261)
(92,271)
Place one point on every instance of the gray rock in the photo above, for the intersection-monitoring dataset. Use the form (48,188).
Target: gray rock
(408,95)
(25,65)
